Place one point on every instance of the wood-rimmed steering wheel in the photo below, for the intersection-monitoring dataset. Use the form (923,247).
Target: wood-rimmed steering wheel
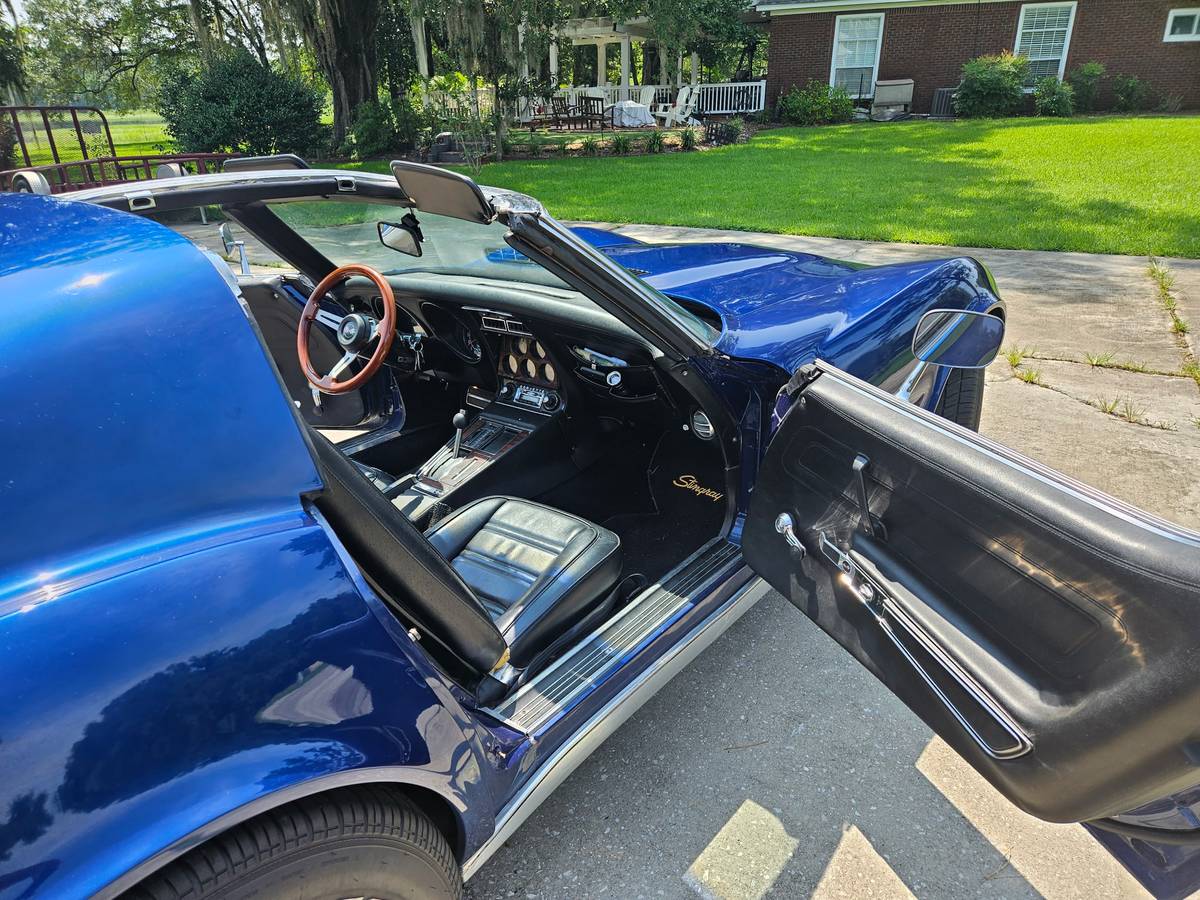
(354,333)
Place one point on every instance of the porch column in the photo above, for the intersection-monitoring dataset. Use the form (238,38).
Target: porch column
(662,64)
(553,63)
(695,69)
(601,64)
(625,54)
(420,45)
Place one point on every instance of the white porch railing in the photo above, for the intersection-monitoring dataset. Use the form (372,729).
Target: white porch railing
(723,99)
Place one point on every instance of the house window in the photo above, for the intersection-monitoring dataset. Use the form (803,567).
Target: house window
(856,42)
(1043,36)
(1183,25)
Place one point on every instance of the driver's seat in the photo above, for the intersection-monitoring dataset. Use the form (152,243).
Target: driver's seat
(493,583)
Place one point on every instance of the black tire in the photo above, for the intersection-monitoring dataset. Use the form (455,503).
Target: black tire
(354,842)
(962,399)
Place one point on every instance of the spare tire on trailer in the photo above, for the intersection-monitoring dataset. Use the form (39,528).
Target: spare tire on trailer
(30,182)
(170,170)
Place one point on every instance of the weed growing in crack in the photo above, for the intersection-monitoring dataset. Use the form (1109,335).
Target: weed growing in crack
(1016,355)
(1106,406)
(1030,376)
(1100,360)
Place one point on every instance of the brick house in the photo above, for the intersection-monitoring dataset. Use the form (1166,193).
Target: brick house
(856,43)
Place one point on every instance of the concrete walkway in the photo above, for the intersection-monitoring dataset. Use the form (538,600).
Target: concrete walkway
(774,766)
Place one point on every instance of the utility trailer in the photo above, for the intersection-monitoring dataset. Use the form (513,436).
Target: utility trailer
(57,149)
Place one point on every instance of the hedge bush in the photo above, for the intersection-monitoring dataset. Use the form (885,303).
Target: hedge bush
(816,103)
(1130,93)
(238,104)
(992,86)
(1054,98)
(1085,81)
(374,130)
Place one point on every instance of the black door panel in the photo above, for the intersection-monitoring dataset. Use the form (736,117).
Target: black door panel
(1047,632)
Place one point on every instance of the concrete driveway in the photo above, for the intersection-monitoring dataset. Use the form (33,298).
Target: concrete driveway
(774,766)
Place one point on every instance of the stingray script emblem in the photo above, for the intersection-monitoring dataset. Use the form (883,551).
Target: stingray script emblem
(689,483)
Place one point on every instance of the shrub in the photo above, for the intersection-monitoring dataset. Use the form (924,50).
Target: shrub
(8,142)
(687,139)
(992,86)
(411,123)
(1130,93)
(1085,81)
(1054,98)
(236,103)
(1170,103)
(655,142)
(374,130)
(590,146)
(621,144)
(816,103)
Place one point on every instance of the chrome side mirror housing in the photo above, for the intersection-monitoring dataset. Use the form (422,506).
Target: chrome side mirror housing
(231,245)
(958,338)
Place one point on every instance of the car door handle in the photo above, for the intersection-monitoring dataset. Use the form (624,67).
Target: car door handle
(785,526)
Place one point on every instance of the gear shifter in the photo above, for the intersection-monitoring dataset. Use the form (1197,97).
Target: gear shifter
(459,422)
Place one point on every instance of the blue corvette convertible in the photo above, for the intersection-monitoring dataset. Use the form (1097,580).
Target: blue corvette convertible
(318,578)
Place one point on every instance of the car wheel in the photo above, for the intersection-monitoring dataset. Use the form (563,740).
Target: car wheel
(355,842)
(962,398)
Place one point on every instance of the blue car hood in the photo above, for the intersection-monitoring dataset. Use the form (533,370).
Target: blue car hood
(785,307)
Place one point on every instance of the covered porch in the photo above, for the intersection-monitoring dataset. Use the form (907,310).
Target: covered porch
(667,75)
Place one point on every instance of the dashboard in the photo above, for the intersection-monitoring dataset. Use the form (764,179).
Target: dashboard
(540,351)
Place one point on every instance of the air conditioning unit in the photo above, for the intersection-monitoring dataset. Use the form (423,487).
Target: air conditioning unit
(893,96)
(943,103)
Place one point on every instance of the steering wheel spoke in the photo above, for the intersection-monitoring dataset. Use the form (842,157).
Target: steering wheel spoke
(355,332)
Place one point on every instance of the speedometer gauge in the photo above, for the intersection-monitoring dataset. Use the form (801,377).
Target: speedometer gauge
(539,350)
(523,345)
(548,372)
(513,364)
(530,368)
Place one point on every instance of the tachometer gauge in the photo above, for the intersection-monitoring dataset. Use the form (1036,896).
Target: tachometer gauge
(548,372)
(539,349)
(523,345)
(530,368)
(513,364)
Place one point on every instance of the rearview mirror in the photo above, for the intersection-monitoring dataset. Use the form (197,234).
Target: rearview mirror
(404,236)
(958,338)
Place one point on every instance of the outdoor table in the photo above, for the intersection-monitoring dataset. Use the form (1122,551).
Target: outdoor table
(631,114)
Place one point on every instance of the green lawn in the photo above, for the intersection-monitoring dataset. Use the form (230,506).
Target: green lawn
(1099,185)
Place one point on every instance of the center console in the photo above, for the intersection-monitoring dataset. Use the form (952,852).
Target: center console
(518,424)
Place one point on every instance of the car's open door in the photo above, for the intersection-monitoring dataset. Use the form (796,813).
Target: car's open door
(1049,633)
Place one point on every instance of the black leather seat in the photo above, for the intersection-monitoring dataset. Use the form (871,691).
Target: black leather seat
(536,569)
(493,583)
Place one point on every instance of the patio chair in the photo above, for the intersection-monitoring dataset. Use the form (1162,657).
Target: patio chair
(646,96)
(562,113)
(680,112)
(592,112)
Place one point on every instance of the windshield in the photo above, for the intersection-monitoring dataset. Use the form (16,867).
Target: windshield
(346,231)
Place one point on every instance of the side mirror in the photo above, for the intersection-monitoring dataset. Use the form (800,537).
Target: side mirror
(958,338)
(404,236)
(230,245)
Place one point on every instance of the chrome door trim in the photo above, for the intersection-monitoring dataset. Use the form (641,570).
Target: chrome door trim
(886,610)
(608,719)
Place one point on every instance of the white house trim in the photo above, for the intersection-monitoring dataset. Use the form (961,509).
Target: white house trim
(837,26)
(1062,63)
(1175,38)
(800,9)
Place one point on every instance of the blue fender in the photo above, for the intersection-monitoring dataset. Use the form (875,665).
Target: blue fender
(181,643)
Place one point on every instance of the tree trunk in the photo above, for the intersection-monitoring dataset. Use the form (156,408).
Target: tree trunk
(342,35)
